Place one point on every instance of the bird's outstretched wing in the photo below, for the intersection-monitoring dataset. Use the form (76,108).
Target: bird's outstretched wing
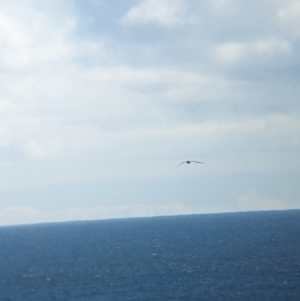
(181,163)
(190,162)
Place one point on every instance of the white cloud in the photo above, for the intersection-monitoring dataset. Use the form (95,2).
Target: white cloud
(71,107)
(223,5)
(289,16)
(50,150)
(152,210)
(272,46)
(31,38)
(52,110)
(253,202)
(162,12)
(235,52)
(13,215)
(96,212)
(83,100)
(230,52)
(91,120)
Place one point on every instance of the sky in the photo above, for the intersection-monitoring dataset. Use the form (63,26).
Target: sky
(101,100)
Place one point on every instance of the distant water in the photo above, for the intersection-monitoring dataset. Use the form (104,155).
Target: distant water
(236,256)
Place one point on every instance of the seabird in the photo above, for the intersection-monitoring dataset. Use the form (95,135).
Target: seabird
(188,162)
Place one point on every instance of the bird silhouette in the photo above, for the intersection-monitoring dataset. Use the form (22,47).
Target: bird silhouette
(188,162)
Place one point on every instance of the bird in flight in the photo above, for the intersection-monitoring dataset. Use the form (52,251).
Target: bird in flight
(188,162)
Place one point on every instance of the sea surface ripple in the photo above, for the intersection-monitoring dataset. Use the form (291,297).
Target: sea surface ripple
(231,256)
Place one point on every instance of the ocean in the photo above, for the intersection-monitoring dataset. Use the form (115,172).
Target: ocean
(246,256)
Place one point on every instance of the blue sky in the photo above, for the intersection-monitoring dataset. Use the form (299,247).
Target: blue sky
(101,100)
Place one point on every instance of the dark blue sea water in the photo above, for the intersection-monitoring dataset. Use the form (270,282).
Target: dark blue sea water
(235,256)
